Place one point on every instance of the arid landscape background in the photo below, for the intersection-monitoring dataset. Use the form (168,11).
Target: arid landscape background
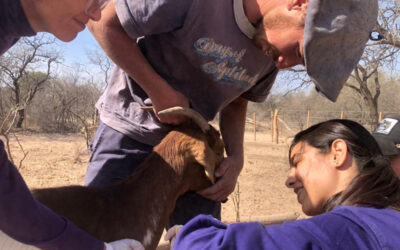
(50,88)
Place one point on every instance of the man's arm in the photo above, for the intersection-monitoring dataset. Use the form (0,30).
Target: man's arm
(124,51)
(232,124)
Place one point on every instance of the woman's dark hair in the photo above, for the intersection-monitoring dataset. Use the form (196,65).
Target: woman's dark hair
(376,185)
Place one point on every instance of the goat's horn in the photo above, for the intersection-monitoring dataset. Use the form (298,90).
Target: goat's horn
(196,117)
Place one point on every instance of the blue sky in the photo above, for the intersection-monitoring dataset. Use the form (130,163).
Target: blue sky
(75,51)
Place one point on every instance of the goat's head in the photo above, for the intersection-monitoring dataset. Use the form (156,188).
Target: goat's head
(201,145)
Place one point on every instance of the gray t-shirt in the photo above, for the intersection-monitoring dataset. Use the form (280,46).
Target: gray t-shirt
(199,49)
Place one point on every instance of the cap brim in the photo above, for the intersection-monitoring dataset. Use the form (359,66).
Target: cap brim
(387,147)
(335,35)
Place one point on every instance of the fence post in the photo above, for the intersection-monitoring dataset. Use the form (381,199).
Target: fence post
(26,118)
(272,126)
(275,131)
(308,119)
(255,125)
(341,115)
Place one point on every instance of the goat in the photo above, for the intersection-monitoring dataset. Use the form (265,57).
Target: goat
(138,207)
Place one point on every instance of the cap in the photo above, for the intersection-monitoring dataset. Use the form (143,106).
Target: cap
(387,134)
(335,35)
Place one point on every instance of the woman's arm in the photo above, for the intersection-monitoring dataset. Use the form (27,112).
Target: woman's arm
(28,221)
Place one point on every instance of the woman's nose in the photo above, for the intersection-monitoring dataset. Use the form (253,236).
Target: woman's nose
(291,179)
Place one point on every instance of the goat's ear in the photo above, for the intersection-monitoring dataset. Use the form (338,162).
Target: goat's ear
(206,157)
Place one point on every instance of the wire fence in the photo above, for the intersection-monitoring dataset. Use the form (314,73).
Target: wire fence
(288,122)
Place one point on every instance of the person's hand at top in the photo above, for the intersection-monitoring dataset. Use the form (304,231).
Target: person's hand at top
(166,100)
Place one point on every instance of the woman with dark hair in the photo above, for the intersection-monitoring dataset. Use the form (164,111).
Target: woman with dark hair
(340,175)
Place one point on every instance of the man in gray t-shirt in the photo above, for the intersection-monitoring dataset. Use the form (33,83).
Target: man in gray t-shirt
(213,56)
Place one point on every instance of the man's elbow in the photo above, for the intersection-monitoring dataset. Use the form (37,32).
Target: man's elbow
(108,23)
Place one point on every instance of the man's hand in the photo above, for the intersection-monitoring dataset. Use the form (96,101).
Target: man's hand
(168,100)
(227,172)
(125,244)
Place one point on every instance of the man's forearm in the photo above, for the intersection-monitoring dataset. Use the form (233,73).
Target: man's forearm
(124,51)
(232,124)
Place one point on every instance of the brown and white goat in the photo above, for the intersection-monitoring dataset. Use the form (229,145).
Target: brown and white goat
(138,207)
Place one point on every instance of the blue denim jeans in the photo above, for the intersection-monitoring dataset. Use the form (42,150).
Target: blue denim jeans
(114,156)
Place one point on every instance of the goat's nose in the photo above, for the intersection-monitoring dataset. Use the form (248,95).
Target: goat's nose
(291,179)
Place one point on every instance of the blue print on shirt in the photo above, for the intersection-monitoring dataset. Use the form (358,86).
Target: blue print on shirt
(225,65)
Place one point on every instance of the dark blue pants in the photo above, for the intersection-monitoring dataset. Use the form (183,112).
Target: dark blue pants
(115,156)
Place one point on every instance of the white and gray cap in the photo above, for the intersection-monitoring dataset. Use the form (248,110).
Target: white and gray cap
(387,134)
(335,35)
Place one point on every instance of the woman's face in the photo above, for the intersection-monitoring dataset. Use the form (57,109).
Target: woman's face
(281,36)
(395,163)
(66,18)
(311,177)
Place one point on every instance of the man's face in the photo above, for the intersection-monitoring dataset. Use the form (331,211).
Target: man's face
(281,37)
(66,18)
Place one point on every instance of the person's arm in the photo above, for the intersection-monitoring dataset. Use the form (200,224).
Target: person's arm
(327,231)
(232,124)
(125,53)
(30,222)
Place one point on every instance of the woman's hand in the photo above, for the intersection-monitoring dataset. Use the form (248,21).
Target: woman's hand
(124,244)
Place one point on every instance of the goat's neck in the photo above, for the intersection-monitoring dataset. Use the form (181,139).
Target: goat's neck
(157,175)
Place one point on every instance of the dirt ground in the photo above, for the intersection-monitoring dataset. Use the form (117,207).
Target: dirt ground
(56,160)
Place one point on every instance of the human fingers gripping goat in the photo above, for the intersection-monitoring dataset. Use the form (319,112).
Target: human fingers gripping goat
(227,175)
(124,244)
(172,99)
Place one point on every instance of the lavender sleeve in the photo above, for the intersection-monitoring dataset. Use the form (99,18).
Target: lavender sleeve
(30,222)
(13,24)
(327,231)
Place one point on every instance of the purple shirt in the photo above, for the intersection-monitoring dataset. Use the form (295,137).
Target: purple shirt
(21,216)
(345,227)
(198,47)
(30,222)
(13,24)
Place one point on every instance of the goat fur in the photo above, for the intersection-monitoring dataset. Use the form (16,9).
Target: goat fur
(138,207)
